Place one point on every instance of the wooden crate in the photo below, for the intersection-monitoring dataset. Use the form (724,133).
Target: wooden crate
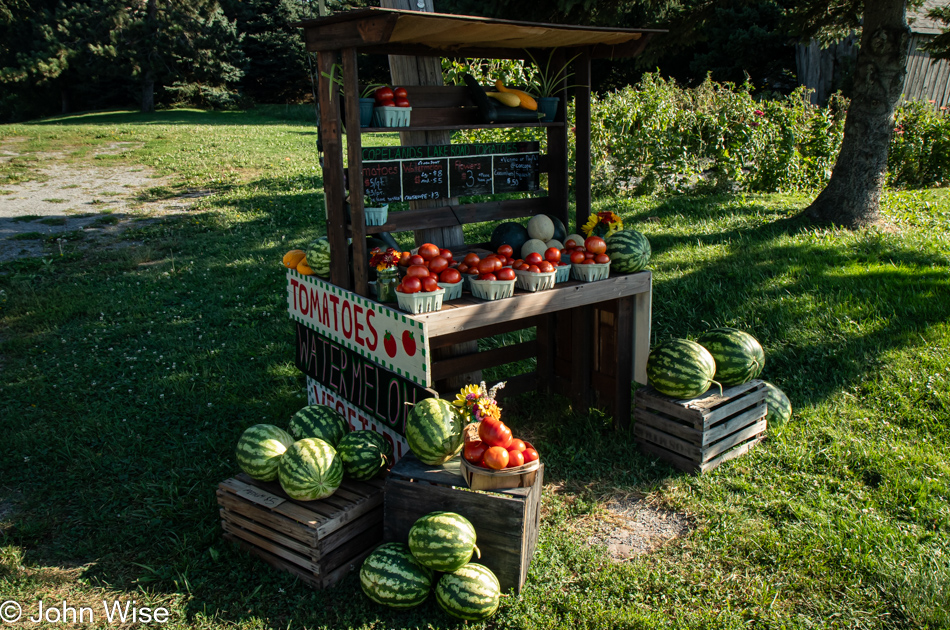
(506,521)
(699,434)
(318,541)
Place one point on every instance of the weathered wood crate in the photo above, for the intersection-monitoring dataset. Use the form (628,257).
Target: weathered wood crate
(318,541)
(697,435)
(506,521)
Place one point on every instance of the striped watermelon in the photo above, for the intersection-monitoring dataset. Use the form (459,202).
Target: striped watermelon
(442,541)
(392,577)
(739,356)
(434,431)
(363,454)
(471,593)
(681,368)
(260,448)
(318,256)
(779,406)
(319,421)
(629,251)
(311,469)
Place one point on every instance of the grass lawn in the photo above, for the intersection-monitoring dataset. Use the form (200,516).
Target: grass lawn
(127,376)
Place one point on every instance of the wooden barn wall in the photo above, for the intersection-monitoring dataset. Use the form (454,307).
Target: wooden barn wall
(926,80)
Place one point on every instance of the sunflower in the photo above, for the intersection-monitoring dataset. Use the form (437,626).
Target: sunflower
(602,224)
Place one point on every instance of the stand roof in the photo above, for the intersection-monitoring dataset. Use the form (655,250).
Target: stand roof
(394,31)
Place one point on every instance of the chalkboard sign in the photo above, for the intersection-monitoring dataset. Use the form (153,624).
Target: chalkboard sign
(449,170)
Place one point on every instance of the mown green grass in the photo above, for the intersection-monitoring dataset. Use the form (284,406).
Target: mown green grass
(128,375)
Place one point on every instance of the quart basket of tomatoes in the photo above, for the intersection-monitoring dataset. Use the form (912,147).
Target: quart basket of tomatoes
(498,460)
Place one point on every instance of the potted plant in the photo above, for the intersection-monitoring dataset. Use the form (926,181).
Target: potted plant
(374,214)
(546,82)
(335,77)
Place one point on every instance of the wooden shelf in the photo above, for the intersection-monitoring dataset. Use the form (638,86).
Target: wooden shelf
(499,125)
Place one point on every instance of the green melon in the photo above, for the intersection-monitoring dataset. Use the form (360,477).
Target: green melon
(319,421)
(363,454)
(311,469)
(393,577)
(471,593)
(629,251)
(541,227)
(260,448)
(779,406)
(739,356)
(680,368)
(318,256)
(442,541)
(509,233)
(434,431)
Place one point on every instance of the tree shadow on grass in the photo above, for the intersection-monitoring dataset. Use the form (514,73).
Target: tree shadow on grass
(174,117)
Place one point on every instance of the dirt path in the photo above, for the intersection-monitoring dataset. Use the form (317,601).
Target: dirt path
(85,206)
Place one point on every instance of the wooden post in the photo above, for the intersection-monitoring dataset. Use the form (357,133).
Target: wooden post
(642,312)
(623,373)
(355,164)
(333,171)
(582,195)
(558,184)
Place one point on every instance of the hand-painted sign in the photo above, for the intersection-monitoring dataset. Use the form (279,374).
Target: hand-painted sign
(317,394)
(449,170)
(373,390)
(383,335)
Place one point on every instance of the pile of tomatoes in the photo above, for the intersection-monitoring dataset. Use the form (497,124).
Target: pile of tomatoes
(497,449)
(426,269)
(536,263)
(391,97)
(592,251)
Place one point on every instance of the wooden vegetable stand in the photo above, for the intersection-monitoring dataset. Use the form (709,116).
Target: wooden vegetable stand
(592,338)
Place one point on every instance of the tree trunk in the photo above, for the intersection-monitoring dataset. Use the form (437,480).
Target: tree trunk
(64,98)
(853,194)
(148,91)
(148,79)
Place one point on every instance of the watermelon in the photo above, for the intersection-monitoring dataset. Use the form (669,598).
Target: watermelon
(434,431)
(739,356)
(629,251)
(779,406)
(311,469)
(509,233)
(680,368)
(560,233)
(319,421)
(363,454)
(260,448)
(318,256)
(392,577)
(471,593)
(442,541)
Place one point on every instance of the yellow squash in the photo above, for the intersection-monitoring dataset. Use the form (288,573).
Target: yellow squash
(505,98)
(527,102)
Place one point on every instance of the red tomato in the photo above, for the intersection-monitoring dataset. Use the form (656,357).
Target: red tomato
(472,271)
(404,259)
(506,273)
(506,250)
(428,251)
(494,433)
(471,259)
(447,254)
(496,458)
(411,284)
(517,445)
(516,263)
(450,276)
(383,94)
(474,451)
(533,258)
(487,265)
(570,244)
(417,271)
(387,103)
(487,276)
(416,259)
(523,267)
(545,267)
(515,458)
(534,269)
(595,244)
(600,259)
(530,455)
(438,264)
(400,92)
(552,254)
(430,283)
(502,258)
(462,268)
(587,261)
(402,102)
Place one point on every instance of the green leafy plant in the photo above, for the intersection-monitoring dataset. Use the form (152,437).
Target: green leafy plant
(335,77)
(547,79)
